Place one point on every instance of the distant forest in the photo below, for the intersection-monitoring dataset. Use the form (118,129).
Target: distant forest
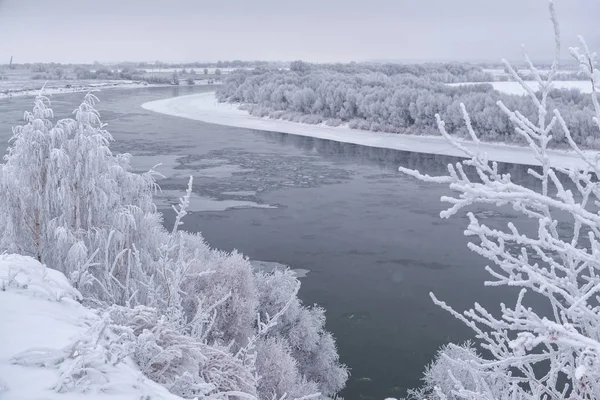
(398,98)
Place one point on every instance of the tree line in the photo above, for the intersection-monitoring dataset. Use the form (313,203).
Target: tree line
(397,98)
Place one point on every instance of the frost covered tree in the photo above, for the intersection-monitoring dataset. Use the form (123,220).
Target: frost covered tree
(299,66)
(69,198)
(529,352)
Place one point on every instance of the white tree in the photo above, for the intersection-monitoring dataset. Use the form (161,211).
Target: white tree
(526,353)
(32,145)
(68,198)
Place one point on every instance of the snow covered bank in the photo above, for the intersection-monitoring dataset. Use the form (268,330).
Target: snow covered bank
(39,353)
(21,89)
(204,107)
(72,88)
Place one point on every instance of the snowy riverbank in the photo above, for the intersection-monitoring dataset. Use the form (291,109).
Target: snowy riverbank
(71,88)
(18,89)
(42,322)
(204,107)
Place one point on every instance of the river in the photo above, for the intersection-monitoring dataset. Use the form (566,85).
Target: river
(371,237)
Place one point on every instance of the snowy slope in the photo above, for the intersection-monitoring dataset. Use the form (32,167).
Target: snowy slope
(38,310)
(204,107)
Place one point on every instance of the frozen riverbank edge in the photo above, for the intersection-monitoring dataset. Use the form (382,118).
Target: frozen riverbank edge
(204,107)
(68,87)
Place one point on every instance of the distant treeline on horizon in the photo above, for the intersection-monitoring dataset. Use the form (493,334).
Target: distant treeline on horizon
(262,63)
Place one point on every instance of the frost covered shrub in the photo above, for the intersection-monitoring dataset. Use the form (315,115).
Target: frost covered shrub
(334,122)
(280,377)
(310,119)
(448,366)
(301,330)
(232,277)
(168,351)
(550,350)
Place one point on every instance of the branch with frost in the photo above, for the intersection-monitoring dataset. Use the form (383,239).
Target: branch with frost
(184,204)
(262,327)
(533,355)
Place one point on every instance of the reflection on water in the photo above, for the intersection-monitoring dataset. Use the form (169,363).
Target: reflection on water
(432,164)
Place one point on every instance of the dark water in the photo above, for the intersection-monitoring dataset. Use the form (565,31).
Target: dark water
(371,237)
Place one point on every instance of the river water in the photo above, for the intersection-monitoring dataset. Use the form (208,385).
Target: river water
(371,237)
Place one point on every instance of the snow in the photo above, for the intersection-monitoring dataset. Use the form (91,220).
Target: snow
(222,171)
(271,266)
(204,107)
(510,87)
(32,88)
(39,311)
(241,193)
(203,204)
(163,164)
(20,91)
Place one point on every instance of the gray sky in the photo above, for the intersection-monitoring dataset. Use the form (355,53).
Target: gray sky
(312,30)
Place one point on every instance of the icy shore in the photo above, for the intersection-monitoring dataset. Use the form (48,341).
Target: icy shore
(204,107)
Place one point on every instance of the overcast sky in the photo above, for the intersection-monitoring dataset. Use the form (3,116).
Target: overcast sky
(312,30)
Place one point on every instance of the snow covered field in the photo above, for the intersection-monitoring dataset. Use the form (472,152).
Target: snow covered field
(41,320)
(204,107)
(516,88)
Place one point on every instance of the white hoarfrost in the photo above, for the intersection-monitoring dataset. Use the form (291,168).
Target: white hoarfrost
(542,352)
(205,107)
(53,347)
